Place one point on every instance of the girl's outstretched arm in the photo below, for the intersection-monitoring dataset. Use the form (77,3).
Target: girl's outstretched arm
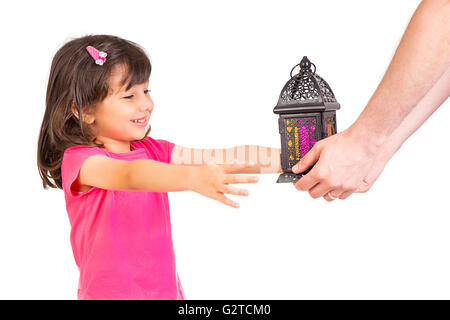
(210,180)
(265,159)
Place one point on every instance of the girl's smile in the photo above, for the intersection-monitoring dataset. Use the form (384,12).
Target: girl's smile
(141,122)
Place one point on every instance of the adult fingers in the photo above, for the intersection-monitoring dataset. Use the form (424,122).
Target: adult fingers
(309,180)
(312,178)
(318,190)
(345,195)
(322,190)
(328,197)
(308,160)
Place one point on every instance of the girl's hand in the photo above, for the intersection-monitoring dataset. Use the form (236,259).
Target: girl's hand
(212,180)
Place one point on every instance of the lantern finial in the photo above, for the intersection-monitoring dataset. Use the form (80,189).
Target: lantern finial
(305,65)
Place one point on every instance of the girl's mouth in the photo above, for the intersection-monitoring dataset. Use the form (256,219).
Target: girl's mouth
(142,122)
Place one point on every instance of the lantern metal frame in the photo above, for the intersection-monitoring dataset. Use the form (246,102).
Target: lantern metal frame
(305,96)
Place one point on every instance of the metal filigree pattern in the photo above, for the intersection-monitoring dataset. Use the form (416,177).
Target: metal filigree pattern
(300,88)
(326,91)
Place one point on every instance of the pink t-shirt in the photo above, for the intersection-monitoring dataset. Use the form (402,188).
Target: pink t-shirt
(121,240)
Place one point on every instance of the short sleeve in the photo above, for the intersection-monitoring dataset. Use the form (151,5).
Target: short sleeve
(167,148)
(159,148)
(71,164)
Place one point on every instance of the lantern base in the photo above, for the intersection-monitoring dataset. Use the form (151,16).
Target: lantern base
(292,177)
(289,177)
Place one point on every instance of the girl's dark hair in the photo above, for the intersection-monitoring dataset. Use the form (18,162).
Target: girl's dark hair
(75,79)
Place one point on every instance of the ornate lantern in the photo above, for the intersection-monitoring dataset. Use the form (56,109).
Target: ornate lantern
(307,109)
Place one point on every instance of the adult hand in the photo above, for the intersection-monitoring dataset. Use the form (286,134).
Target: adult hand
(382,157)
(341,164)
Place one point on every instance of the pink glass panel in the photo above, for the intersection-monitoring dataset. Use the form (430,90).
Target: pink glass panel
(304,140)
(306,135)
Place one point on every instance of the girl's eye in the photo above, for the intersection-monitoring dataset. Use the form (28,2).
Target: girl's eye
(131,96)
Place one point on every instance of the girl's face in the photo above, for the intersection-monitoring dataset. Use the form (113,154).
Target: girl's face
(113,119)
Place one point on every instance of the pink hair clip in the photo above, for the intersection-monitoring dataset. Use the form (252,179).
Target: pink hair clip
(99,56)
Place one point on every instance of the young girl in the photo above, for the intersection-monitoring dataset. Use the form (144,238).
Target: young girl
(94,145)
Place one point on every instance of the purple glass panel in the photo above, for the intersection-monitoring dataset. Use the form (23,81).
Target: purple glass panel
(304,140)
(306,135)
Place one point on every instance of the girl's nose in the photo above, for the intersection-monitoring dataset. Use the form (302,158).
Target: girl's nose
(147,105)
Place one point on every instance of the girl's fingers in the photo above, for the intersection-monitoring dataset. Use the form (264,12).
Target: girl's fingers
(233,179)
(235,191)
(221,197)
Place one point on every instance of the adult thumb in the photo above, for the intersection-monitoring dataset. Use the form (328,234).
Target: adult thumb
(308,160)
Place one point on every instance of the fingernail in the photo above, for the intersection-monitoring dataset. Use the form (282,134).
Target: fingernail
(251,163)
(295,168)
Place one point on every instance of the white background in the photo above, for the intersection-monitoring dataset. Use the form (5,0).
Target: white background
(218,69)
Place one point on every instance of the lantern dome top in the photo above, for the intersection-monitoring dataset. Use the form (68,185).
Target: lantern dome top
(306,91)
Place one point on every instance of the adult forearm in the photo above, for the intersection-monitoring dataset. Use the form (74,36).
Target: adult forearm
(421,58)
(151,175)
(419,114)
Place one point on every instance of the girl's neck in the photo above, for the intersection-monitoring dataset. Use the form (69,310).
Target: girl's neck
(116,146)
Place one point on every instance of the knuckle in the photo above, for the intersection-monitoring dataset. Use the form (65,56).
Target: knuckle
(333,184)
(321,174)
(349,186)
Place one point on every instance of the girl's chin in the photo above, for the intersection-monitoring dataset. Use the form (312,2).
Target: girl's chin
(139,133)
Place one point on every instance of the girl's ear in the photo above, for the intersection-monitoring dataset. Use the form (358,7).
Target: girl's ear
(89,119)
